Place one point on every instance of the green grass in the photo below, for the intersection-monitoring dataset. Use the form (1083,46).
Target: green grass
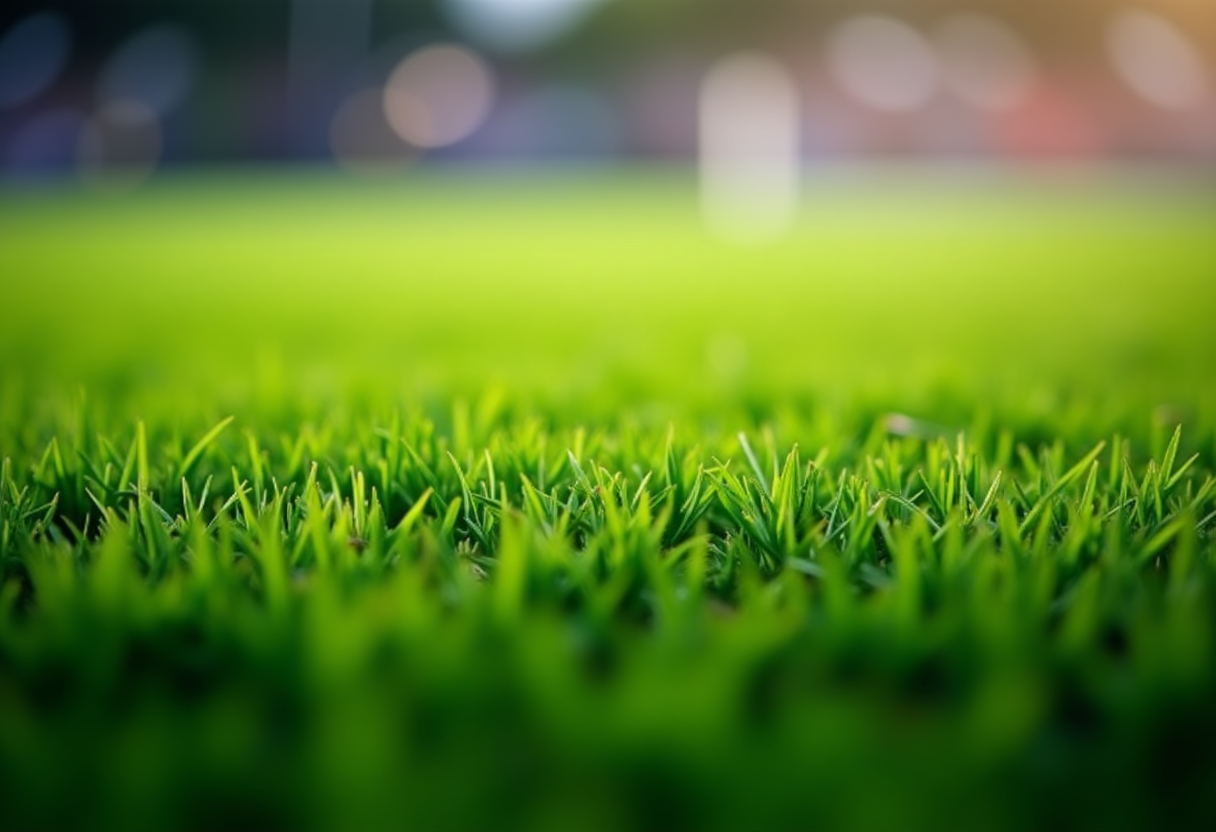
(501,502)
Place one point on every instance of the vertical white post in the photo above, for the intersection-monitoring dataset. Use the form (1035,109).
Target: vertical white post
(750,155)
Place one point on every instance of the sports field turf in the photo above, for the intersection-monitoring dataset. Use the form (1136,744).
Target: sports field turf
(498,501)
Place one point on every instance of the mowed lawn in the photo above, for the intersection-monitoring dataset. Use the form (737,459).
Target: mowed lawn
(481,499)
(604,290)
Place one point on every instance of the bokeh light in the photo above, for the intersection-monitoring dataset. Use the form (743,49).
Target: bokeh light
(120,145)
(749,149)
(1054,123)
(32,55)
(362,140)
(518,25)
(883,63)
(1156,60)
(984,62)
(156,66)
(438,96)
(582,81)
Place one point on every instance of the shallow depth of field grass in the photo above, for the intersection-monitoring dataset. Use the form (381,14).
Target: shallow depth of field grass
(477,502)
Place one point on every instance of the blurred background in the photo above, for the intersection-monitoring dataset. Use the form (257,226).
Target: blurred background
(112,92)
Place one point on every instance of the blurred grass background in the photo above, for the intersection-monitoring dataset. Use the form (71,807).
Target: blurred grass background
(587,289)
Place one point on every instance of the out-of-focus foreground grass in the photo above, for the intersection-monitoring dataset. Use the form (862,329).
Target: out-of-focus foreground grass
(538,508)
